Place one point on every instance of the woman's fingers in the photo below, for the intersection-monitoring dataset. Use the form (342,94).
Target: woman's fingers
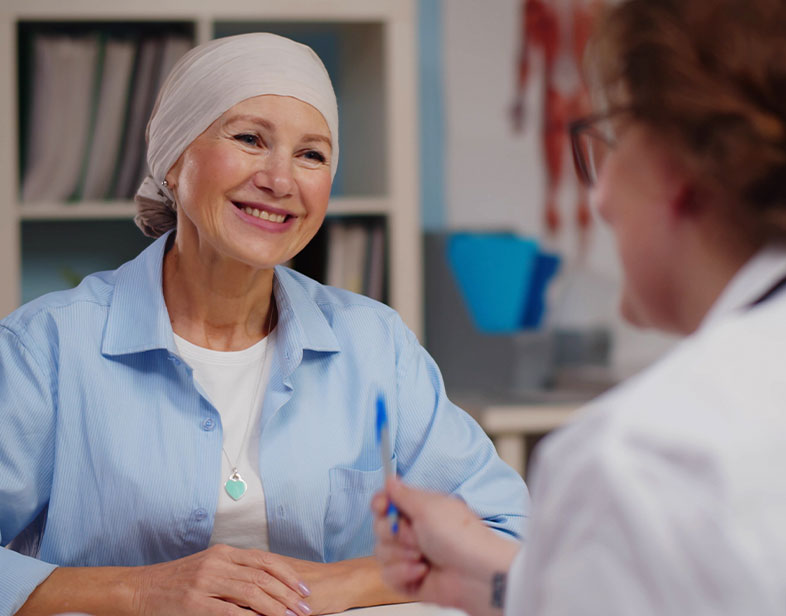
(272,564)
(217,579)
(266,581)
(263,597)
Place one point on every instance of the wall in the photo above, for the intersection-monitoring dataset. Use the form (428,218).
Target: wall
(487,177)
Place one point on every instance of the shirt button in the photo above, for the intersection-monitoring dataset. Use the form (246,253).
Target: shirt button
(200,514)
(175,360)
(208,424)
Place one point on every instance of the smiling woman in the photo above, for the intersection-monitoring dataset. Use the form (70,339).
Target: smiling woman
(195,431)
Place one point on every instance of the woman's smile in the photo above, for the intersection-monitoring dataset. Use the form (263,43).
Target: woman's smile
(264,216)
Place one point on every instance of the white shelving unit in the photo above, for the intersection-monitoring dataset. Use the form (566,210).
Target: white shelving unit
(377,94)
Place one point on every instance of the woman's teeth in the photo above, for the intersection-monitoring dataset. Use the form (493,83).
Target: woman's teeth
(265,215)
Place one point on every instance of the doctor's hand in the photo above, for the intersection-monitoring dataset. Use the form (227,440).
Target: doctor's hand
(222,580)
(442,552)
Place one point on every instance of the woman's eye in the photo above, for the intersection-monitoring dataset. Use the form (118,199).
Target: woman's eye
(247,139)
(315,156)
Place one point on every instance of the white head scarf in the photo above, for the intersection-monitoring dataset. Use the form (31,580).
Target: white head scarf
(206,82)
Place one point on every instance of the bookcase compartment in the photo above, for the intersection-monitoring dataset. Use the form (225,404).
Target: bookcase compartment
(50,238)
(86,90)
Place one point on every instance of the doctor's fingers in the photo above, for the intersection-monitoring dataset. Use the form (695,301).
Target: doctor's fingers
(405,576)
(392,552)
(404,536)
(379,503)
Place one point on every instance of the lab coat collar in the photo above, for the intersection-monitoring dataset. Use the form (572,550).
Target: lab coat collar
(753,280)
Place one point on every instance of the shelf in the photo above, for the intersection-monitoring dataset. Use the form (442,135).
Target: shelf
(359,206)
(94,210)
(113,210)
(368,47)
(306,10)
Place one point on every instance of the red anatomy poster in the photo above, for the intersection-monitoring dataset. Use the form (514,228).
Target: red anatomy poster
(558,30)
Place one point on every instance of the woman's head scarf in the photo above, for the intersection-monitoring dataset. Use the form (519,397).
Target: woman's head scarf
(205,83)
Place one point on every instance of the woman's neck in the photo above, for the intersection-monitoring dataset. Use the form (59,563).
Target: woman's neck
(216,302)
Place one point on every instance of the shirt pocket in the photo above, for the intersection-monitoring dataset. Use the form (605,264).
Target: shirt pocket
(348,520)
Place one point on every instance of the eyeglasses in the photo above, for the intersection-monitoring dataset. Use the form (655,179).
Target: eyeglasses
(592,138)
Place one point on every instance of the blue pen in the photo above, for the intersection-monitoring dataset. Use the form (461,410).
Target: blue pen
(383,440)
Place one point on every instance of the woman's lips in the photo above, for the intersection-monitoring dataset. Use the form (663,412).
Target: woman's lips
(263,211)
(268,218)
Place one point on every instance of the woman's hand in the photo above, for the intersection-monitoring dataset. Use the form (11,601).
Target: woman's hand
(442,552)
(218,581)
(222,580)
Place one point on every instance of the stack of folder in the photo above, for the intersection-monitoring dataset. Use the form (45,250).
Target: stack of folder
(90,99)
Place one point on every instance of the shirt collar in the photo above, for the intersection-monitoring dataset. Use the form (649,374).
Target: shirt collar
(301,323)
(139,321)
(753,280)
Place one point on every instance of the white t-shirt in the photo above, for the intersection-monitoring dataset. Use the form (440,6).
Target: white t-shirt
(235,383)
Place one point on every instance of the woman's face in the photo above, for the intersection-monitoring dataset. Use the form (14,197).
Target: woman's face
(635,195)
(254,186)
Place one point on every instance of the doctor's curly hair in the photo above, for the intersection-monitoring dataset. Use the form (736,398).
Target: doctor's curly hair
(710,77)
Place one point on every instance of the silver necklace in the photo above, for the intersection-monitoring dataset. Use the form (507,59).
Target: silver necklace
(236,486)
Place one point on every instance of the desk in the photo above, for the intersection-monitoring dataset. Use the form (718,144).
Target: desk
(509,424)
(405,609)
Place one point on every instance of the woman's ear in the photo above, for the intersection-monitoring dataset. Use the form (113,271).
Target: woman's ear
(686,201)
(174,172)
(169,180)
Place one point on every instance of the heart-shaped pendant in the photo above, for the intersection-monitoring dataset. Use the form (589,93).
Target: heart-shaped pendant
(235,486)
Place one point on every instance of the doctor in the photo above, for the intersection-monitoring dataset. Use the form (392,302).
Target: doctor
(667,495)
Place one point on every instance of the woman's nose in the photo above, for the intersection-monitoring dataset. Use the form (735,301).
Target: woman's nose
(275,175)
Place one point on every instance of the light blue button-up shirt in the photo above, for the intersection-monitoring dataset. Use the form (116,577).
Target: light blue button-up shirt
(106,438)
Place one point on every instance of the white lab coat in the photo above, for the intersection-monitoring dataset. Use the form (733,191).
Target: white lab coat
(667,496)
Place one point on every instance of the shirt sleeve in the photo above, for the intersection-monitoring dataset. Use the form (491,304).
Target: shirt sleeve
(26,454)
(440,447)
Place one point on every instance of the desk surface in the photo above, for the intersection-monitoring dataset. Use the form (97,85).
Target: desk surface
(508,425)
(523,419)
(405,609)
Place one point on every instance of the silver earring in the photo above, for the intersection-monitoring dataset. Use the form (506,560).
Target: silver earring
(164,183)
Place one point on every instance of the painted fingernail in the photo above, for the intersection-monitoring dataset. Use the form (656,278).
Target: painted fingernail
(304,590)
(290,613)
(303,607)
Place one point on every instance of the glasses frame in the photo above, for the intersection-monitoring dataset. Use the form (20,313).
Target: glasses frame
(584,126)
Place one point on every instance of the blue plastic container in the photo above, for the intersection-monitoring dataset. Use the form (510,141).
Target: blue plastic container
(502,278)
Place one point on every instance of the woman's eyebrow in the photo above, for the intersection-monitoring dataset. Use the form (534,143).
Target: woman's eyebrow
(318,137)
(244,117)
